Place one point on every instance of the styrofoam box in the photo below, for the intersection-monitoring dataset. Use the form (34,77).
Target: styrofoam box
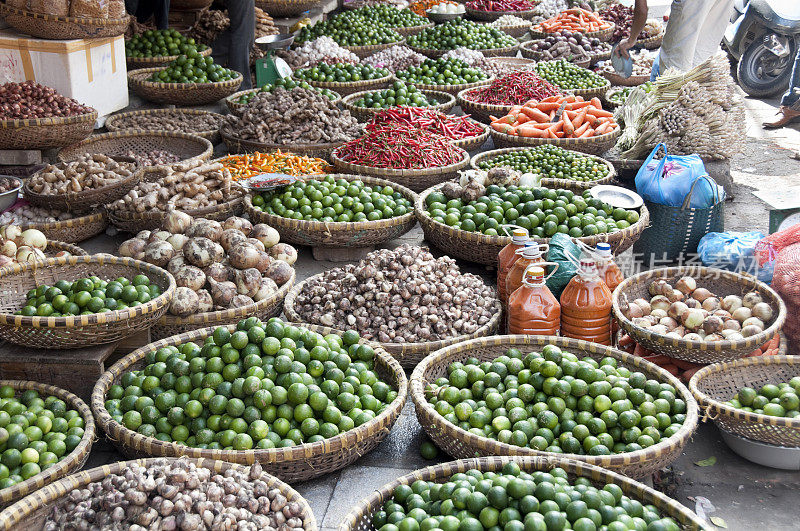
(91,71)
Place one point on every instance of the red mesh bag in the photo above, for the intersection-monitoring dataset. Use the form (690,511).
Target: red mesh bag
(784,249)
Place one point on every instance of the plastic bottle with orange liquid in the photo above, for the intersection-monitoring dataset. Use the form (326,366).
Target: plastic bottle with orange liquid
(606,266)
(531,253)
(506,258)
(532,308)
(586,305)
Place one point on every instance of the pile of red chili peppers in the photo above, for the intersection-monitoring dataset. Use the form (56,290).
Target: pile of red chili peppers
(501,5)
(400,147)
(514,89)
(453,127)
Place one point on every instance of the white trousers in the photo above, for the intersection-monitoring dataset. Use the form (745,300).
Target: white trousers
(693,33)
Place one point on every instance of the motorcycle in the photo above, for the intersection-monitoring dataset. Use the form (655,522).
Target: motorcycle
(764,36)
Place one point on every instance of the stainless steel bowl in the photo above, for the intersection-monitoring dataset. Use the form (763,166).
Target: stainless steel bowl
(9,198)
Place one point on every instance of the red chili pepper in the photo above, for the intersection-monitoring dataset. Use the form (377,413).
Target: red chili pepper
(399,146)
(452,127)
(514,89)
(501,5)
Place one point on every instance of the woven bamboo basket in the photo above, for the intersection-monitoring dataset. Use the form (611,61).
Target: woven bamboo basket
(651,43)
(339,234)
(588,93)
(366,51)
(515,30)
(134,222)
(189,94)
(433,53)
(159,61)
(602,35)
(408,354)
(619,81)
(460,443)
(286,8)
(407,31)
(63,28)
(32,512)
(115,122)
(474,142)
(568,184)
(491,16)
(417,180)
(238,108)
(608,103)
(596,145)
(351,87)
(119,143)
(54,247)
(604,54)
(450,89)
(526,52)
(714,385)
(482,249)
(515,62)
(45,133)
(480,111)
(240,145)
(360,517)
(86,200)
(79,330)
(71,462)
(72,230)
(295,464)
(717,281)
(171,325)
(364,114)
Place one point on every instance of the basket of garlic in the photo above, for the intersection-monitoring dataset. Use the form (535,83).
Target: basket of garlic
(225,271)
(698,314)
(18,246)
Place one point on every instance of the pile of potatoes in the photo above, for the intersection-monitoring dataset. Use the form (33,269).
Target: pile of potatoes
(216,265)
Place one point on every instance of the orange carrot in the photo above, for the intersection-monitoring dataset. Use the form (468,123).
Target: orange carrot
(599,113)
(568,128)
(528,131)
(580,116)
(504,128)
(535,114)
(596,103)
(548,105)
(579,131)
(588,133)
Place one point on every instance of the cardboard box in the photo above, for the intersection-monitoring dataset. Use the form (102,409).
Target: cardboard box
(90,70)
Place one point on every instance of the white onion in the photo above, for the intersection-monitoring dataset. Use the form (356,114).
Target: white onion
(34,238)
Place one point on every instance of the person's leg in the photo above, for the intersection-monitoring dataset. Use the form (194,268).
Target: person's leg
(792,96)
(242,34)
(712,30)
(680,36)
(161,12)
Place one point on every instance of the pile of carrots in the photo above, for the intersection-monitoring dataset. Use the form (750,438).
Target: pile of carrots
(684,370)
(573,20)
(557,117)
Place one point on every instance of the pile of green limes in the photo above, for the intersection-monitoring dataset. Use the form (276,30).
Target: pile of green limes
(554,402)
(569,76)
(35,434)
(450,71)
(350,30)
(513,500)
(542,211)
(398,95)
(287,83)
(331,199)
(160,43)
(265,385)
(776,400)
(461,33)
(550,161)
(192,67)
(87,296)
(340,73)
(386,15)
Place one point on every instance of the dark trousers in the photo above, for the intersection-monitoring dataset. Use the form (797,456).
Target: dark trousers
(144,9)
(232,47)
(792,96)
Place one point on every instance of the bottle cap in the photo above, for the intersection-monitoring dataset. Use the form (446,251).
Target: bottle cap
(519,235)
(603,249)
(534,274)
(531,249)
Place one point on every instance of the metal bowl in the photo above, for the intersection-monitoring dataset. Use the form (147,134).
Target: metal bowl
(9,198)
(770,455)
(275,42)
(440,18)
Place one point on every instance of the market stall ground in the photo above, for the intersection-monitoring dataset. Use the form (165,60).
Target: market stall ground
(744,494)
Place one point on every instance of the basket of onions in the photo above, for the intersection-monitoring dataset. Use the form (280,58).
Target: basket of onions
(698,314)
(18,246)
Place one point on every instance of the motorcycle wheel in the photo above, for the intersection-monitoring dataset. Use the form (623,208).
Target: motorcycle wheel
(760,73)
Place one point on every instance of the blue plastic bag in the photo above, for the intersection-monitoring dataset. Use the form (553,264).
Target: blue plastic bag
(733,251)
(671,180)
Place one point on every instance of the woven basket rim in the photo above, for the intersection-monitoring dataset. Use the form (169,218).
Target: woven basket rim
(369,429)
(524,48)
(58,489)
(340,226)
(424,217)
(374,47)
(414,27)
(526,24)
(617,80)
(208,147)
(17,123)
(473,163)
(499,49)
(603,34)
(127,216)
(110,121)
(446,88)
(668,506)
(75,20)
(443,99)
(558,141)
(654,39)
(60,468)
(71,248)
(417,393)
(390,172)
(710,405)
(524,12)
(333,85)
(202,318)
(136,78)
(232,105)
(405,348)
(74,321)
(161,59)
(265,146)
(464,101)
(699,271)
(64,224)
